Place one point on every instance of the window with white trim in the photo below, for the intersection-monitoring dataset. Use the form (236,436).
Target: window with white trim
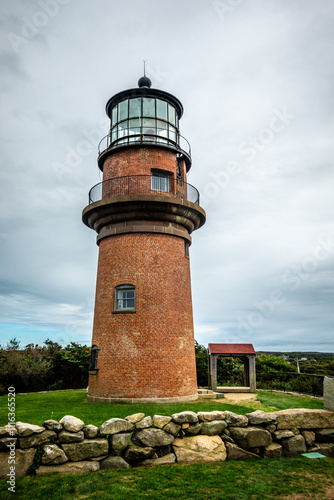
(160,182)
(125,296)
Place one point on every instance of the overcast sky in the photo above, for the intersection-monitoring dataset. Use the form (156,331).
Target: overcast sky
(256,81)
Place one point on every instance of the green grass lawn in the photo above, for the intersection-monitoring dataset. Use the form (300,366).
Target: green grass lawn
(261,479)
(35,408)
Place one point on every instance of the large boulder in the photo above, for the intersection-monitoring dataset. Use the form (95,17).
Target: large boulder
(213,428)
(37,439)
(115,426)
(151,437)
(235,420)
(185,417)
(209,416)
(236,453)
(71,424)
(160,421)
(260,417)
(164,460)
(294,446)
(303,418)
(53,455)
(71,437)
(114,463)
(24,429)
(86,449)
(199,449)
(250,437)
(68,468)
(118,442)
(137,453)
(23,460)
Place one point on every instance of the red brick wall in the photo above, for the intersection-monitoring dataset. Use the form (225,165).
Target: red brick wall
(149,353)
(140,161)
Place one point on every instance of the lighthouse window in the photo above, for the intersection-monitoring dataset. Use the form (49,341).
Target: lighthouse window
(171,114)
(160,182)
(125,298)
(148,107)
(161,109)
(135,108)
(93,357)
(123,110)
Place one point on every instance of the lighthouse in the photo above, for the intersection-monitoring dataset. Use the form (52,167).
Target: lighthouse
(144,213)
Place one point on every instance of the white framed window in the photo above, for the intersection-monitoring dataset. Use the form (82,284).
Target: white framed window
(125,296)
(160,182)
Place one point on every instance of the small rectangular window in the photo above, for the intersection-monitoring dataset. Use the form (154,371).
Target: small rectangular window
(148,107)
(135,108)
(161,109)
(125,298)
(171,114)
(160,182)
(114,115)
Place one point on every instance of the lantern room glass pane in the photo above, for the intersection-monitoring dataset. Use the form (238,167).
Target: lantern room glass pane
(123,110)
(171,114)
(114,115)
(161,109)
(148,107)
(135,108)
(172,133)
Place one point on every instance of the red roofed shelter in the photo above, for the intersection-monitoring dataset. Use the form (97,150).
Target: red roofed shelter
(245,351)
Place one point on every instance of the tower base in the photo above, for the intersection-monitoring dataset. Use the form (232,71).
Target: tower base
(179,399)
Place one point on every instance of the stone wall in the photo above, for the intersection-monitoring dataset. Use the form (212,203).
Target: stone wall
(70,446)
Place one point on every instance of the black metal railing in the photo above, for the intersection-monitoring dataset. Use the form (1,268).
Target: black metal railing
(146,185)
(180,143)
(304,383)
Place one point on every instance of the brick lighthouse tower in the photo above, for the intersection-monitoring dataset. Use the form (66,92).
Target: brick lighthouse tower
(144,212)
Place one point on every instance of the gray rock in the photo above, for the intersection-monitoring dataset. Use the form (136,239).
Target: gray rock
(305,419)
(234,420)
(71,437)
(172,428)
(86,449)
(213,428)
(136,453)
(144,423)
(23,460)
(136,417)
(164,460)
(260,417)
(193,430)
(325,435)
(210,416)
(114,463)
(273,450)
(68,468)
(118,442)
(71,424)
(293,446)
(160,421)
(278,435)
(9,431)
(52,425)
(115,426)
(24,429)
(7,441)
(90,431)
(53,455)
(199,449)
(236,453)
(250,437)
(37,439)
(184,417)
(271,428)
(151,437)
(309,437)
